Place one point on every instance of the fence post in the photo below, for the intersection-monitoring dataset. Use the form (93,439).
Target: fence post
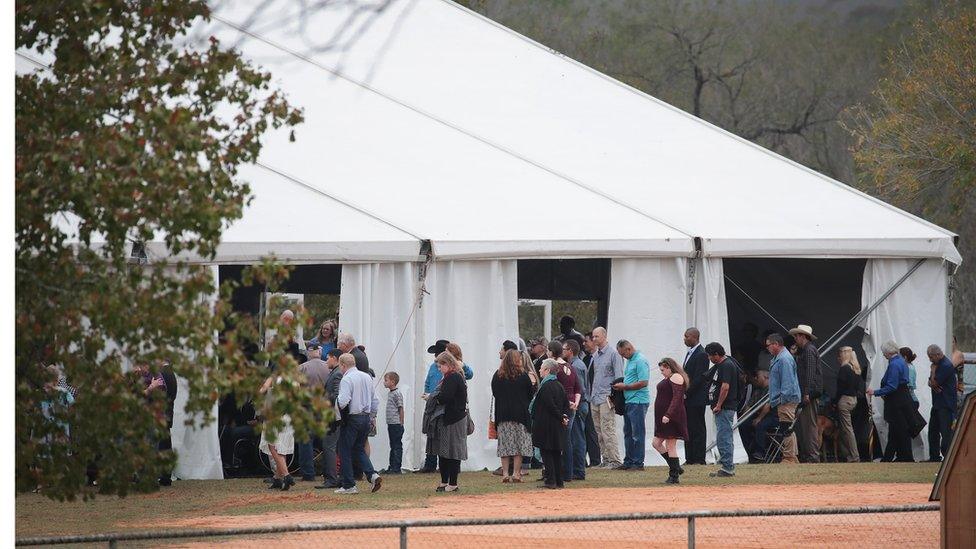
(112,544)
(691,532)
(403,537)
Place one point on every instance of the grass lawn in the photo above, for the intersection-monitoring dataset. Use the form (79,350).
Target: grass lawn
(37,515)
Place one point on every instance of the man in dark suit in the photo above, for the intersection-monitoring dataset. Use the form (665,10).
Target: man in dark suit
(696,366)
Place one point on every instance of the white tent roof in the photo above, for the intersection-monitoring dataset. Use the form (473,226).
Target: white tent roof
(470,199)
(461,131)
(292,222)
(298,224)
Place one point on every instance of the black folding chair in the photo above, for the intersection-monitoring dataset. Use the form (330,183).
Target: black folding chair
(778,436)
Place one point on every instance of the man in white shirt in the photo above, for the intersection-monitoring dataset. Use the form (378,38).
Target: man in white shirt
(357,402)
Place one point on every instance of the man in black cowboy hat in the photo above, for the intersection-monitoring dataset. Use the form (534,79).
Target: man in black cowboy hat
(809,375)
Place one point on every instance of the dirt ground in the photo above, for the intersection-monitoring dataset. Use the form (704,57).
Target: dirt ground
(878,530)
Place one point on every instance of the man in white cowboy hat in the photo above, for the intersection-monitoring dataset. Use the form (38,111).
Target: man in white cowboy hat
(811,386)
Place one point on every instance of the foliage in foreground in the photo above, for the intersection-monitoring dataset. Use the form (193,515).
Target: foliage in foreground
(124,138)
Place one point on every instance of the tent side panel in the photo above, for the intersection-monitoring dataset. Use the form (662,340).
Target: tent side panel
(376,306)
(475,304)
(649,305)
(914,315)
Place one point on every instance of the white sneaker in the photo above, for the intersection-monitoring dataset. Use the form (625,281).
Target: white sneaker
(347,491)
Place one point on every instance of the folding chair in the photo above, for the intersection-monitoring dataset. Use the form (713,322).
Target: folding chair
(778,435)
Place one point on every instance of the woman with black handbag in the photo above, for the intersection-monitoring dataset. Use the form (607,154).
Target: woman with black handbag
(448,436)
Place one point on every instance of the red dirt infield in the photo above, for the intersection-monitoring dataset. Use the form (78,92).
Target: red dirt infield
(861,531)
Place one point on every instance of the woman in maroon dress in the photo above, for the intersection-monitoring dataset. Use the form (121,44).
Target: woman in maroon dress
(670,421)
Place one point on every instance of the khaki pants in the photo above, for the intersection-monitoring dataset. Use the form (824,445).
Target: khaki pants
(786,414)
(807,432)
(848,444)
(605,422)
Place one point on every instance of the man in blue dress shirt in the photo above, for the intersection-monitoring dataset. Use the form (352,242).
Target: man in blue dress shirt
(897,402)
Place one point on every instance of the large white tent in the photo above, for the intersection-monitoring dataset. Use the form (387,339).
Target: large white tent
(493,147)
(439,148)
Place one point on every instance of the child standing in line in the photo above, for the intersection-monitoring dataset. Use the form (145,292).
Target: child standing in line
(394,421)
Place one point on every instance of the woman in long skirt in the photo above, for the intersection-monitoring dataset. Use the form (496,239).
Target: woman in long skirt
(670,421)
(512,390)
(449,433)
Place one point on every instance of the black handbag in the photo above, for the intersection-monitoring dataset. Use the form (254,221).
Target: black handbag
(916,422)
(618,398)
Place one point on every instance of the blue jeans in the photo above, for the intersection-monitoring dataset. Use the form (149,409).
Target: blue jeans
(568,453)
(577,435)
(770,421)
(352,446)
(306,458)
(634,432)
(396,447)
(723,439)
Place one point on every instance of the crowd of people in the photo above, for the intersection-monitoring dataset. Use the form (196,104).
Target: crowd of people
(555,404)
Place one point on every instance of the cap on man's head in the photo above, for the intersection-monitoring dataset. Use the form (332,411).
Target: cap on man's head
(509,345)
(313,347)
(438,347)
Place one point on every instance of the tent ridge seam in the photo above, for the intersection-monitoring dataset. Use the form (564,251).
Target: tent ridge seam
(342,201)
(565,58)
(451,125)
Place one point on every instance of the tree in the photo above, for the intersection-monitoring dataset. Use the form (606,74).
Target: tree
(917,141)
(122,138)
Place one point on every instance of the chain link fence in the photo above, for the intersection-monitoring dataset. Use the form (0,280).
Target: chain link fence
(903,526)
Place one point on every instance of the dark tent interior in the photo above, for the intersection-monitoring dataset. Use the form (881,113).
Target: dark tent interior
(822,293)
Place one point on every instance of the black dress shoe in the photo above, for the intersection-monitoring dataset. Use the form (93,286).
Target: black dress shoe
(275,484)
(287,483)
